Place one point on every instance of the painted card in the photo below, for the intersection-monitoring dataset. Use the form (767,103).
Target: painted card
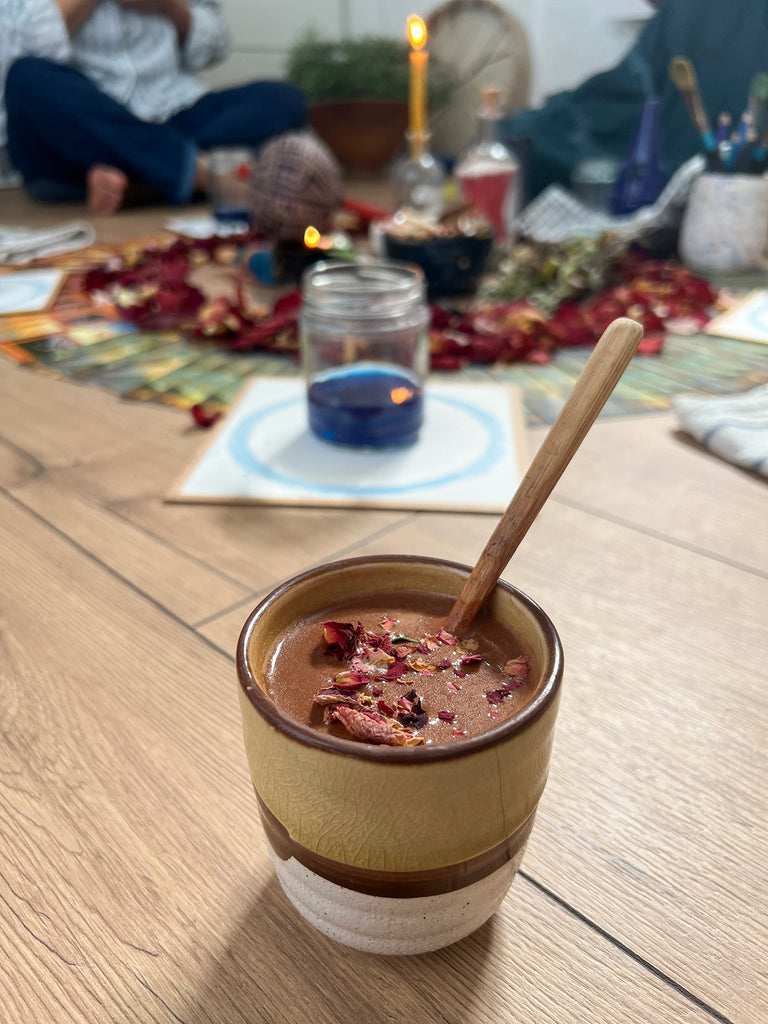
(746,321)
(469,455)
(29,291)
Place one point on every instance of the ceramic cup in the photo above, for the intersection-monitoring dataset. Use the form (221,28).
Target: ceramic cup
(395,849)
(725,224)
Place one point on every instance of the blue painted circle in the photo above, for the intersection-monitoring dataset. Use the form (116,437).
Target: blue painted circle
(240,451)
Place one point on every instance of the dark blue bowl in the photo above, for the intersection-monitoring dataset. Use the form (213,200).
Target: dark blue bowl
(452,264)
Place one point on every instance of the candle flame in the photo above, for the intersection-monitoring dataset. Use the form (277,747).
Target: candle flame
(417,32)
(400,395)
(311,237)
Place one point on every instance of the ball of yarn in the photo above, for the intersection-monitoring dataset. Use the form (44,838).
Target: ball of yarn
(296,182)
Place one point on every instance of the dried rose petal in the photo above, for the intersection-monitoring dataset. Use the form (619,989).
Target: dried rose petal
(350,680)
(403,650)
(371,728)
(376,691)
(340,637)
(651,344)
(396,671)
(447,638)
(334,695)
(517,667)
(458,733)
(453,687)
(446,716)
(386,645)
(497,696)
(458,672)
(376,657)
(359,664)
(387,623)
(385,709)
(471,659)
(203,416)
(445,663)
(420,665)
(410,711)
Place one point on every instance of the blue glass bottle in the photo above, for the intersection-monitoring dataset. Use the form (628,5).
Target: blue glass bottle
(642,176)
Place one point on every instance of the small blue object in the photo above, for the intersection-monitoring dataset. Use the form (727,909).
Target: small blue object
(366,406)
(642,176)
(262,265)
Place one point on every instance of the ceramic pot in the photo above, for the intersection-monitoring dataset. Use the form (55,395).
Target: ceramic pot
(725,224)
(452,265)
(351,855)
(363,134)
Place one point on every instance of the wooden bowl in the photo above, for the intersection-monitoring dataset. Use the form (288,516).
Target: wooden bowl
(363,134)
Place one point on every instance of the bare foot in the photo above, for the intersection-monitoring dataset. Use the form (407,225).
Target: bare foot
(106,189)
(202,172)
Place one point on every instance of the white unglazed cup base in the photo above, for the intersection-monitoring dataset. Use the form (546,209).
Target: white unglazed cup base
(380,924)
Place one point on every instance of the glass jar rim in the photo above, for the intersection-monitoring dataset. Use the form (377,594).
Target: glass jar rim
(366,289)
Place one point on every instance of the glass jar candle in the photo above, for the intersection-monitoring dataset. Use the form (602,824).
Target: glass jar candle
(365,347)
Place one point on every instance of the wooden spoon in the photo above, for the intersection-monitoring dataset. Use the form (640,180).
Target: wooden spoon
(599,377)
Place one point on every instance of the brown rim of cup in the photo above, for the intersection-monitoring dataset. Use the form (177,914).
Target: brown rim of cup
(552,674)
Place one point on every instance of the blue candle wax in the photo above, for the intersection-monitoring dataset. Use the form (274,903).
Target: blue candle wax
(366,405)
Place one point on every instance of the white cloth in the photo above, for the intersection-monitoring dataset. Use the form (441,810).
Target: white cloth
(735,427)
(556,215)
(135,58)
(20,245)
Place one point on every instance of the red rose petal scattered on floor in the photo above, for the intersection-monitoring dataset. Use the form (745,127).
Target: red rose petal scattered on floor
(203,416)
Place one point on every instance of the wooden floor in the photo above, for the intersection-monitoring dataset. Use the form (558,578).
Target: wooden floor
(134,879)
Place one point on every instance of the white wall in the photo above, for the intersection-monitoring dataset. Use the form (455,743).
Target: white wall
(569,39)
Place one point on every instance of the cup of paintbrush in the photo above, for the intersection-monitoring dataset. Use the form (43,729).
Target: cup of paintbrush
(683,74)
(758,157)
(757,105)
(723,137)
(743,145)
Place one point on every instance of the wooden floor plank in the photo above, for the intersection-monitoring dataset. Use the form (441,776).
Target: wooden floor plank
(88,480)
(135,884)
(668,485)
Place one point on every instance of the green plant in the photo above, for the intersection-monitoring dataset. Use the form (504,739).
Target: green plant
(368,67)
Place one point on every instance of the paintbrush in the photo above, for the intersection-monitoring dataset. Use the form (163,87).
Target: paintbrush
(757,105)
(759,155)
(683,74)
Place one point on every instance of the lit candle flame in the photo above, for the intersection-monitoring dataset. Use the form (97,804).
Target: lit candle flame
(400,395)
(311,237)
(417,32)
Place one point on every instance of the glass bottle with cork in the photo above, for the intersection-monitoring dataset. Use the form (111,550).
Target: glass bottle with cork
(488,174)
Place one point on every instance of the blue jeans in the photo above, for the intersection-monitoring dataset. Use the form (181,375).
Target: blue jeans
(60,125)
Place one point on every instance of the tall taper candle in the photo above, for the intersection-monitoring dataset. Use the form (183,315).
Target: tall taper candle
(417,35)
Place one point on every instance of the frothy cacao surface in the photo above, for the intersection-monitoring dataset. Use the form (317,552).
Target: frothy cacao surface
(300,665)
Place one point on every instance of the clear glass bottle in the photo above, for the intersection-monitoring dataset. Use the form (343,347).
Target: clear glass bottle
(488,174)
(418,178)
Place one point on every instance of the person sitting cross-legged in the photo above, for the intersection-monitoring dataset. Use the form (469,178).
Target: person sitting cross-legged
(102,95)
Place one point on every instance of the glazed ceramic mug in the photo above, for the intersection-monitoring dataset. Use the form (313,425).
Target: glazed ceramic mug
(725,224)
(395,849)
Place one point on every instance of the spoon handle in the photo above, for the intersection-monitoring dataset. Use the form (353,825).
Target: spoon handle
(599,377)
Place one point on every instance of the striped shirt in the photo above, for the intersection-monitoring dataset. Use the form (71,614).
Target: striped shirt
(135,58)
